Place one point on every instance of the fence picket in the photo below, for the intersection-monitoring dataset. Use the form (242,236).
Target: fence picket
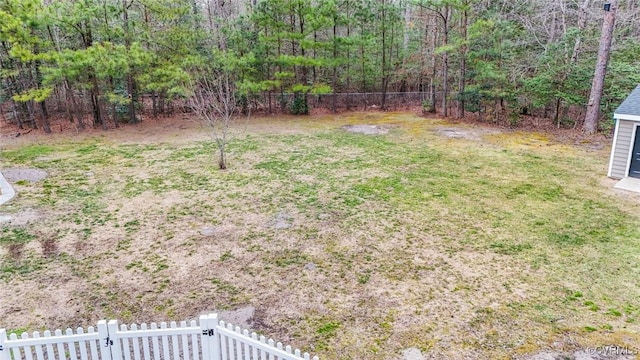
(60,346)
(271,343)
(254,337)
(145,344)
(72,346)
(237,345)
(185,342)
(194,342)
(234,344)
(174,343)
(245,350)
(263,354)
(17,354)
(165,343)
(82,345)
(28,355)
(230,343)
(104,342)
(279,346)
(38,347)
(97,351)
(136,343)
(223,342)
(155,343)
(122,343)
(48,347)
(114,343)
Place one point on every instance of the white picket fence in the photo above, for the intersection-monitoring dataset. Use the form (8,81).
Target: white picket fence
(210,339)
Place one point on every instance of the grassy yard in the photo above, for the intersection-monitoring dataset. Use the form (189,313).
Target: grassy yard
(350,246)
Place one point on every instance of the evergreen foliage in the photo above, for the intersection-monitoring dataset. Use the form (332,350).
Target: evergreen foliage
(103,57)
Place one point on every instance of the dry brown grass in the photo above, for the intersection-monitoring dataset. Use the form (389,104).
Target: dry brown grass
(347,245)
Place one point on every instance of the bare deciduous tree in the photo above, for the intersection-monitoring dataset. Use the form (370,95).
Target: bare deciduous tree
(593,107)
(213,100)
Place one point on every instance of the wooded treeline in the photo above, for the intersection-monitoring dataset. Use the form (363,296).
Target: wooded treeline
(104,62)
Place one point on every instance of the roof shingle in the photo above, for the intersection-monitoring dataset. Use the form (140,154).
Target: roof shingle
(630,105)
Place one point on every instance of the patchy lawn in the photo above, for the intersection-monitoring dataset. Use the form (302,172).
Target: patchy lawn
(490,245)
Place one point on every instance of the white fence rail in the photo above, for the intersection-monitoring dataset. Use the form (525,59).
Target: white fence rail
(210,339)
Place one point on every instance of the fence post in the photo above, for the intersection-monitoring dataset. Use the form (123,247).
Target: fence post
(215,341)
(210,339)
(114,342)
(204,338)
(104,341)
(4,351)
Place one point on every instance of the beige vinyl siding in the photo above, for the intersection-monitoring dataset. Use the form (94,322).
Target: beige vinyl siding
(621,152)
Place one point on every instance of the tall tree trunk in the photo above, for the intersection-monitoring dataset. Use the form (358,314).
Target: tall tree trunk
(556,116)
(96,102)
(348,67)
(335,66)
(597,86)
(37,81)
(210,16)
(282,109)
(463,64)
(17,114)
(582,20)
(74,105)
(60,91)
(363,61)
(114,108)
(445,62)
(44,121)
(95,95)
(383,104)
(161,102)
(154,104)
(407,27)
(305,69)
(130,80)
(32,117)
(434,71)
(315,55)
(221,11)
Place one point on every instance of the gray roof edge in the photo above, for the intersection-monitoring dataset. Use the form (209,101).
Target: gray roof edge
(629,117)
(630,105)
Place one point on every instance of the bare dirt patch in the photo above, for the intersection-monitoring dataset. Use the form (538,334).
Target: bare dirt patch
(23,217)
(29,175)
(242,316)
(465,133)
(366,129)
(459,133)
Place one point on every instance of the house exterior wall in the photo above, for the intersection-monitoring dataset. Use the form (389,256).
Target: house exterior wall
(621,147)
